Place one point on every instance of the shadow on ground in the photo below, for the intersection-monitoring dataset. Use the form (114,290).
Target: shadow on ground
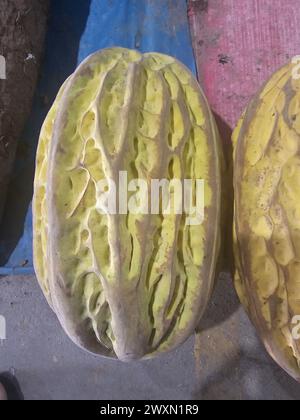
(224,302)
(248,376)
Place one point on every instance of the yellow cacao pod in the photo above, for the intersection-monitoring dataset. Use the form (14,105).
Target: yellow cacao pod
(126,285)
(267,215)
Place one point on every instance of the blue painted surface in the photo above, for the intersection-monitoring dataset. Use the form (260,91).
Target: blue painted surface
(77,29)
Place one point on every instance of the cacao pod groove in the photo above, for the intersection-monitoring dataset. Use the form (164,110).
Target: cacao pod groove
(267,215)
(126,285)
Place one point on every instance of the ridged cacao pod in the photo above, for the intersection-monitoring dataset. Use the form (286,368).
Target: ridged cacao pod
(126,285)
(267,215)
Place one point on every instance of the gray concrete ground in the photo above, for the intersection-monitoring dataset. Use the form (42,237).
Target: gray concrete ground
(223,361)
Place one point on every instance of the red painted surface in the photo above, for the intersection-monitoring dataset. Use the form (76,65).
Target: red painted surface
(238,45)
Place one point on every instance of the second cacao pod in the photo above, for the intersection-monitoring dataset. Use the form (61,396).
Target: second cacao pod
(267,215)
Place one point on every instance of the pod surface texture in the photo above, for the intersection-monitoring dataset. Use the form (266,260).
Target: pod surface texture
(267,215)
(126,285)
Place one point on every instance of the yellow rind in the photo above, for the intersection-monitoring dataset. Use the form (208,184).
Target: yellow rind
(40,220)
(127,286)
(267,216)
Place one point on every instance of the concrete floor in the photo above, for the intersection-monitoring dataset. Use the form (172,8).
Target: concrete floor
(224,361)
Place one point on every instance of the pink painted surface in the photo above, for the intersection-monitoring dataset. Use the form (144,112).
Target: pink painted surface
(238,44)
